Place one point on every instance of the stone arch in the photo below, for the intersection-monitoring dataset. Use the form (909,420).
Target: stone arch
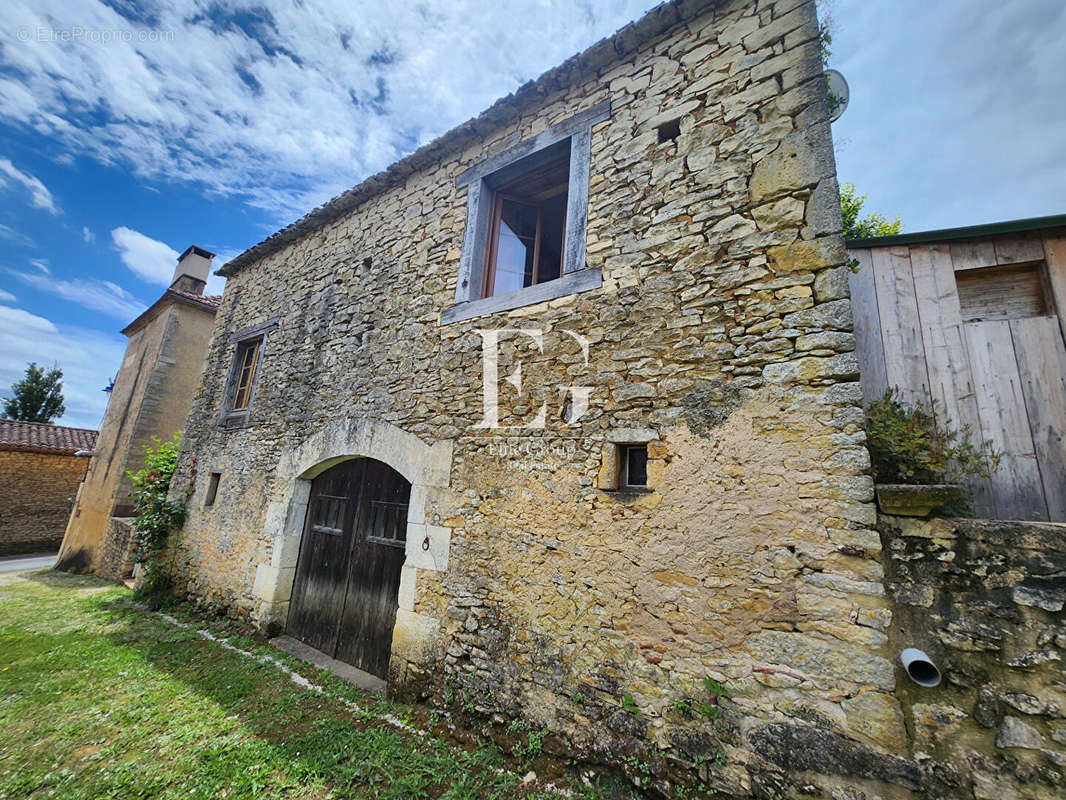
(427,467)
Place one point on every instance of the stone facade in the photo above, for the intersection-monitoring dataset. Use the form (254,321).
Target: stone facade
(35,495)
(720,338)
(984,599)
(150,398)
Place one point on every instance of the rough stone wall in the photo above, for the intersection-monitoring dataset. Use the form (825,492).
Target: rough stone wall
(118,550)
(984,599)
(153,390)
(721,336)
(35,492)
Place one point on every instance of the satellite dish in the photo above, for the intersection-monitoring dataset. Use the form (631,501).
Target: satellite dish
(839,94)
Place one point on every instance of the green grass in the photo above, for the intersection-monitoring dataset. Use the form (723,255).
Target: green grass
(100,698)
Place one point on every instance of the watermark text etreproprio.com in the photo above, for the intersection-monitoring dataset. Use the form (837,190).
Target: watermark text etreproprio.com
(78,33)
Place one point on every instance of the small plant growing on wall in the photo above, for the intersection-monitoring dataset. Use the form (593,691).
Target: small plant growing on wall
(908,444)
(714,687)
(156,517)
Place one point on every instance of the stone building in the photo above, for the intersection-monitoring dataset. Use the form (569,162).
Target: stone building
(40,468)
(150,398)
(561,415)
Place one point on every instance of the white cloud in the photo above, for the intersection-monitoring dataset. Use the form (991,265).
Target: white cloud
(103,296)
(6,297)
(88,359)
(12,235)
(280,104)
(87,235)
(147,258)
(39,194)
(958,120)
(41,264)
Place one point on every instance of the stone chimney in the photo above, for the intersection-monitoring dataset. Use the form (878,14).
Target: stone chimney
(194,265)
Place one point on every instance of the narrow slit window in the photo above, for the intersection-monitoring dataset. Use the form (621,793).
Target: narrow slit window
(212,488)
(634,467)
(247,362)
(527,229)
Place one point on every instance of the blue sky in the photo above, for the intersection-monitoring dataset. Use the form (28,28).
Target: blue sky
(130,130)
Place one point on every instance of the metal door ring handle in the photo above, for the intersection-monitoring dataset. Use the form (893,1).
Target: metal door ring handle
(425,543)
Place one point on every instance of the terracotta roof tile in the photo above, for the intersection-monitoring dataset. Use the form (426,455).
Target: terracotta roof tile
(207,299)
(38,437)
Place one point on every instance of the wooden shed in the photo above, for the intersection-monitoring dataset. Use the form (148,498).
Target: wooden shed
(973,319)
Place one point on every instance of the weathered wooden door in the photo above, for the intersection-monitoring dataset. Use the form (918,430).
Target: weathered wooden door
(344,596)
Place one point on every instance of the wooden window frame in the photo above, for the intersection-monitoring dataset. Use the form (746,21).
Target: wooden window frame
(232,416)
(492,250)
(480,180)
(623,468)
(248,353)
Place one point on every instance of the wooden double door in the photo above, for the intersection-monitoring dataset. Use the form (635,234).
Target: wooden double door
(344,597)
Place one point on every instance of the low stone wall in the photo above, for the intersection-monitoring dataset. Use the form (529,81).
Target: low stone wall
(35,494)
(118,551)
(984,599)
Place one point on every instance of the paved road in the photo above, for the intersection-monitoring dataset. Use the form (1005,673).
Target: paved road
(23,563)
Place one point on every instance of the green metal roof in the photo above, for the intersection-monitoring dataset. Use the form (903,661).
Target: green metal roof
(969,232)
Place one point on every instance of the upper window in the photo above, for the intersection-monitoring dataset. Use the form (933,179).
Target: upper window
(527,229)
(527,210)
(248,348)
(247,361)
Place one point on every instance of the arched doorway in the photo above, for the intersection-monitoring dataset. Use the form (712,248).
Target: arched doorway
(344,596)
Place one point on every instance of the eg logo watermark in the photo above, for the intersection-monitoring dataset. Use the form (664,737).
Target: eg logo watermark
(490,354)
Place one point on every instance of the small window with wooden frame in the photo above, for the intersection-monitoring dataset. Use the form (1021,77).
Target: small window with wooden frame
(245,369)
(633,467)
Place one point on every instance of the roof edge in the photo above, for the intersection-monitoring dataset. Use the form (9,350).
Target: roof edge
(169,296)
(45,429)
(967,232)
(200,251)
(610,49)
(43,450)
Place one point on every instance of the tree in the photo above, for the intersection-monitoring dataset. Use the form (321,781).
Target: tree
(38,397)
(865,227)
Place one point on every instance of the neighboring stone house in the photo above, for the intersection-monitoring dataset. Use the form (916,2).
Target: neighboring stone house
(561,416)
(150,398)
(41,466)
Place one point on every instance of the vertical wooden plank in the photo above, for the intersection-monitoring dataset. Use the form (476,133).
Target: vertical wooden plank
(973,255)
(1019,248)
(1055,255)
(1016,487)
(868,345)
(1042,367)
(947,362)
(577,208)
(900,330)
